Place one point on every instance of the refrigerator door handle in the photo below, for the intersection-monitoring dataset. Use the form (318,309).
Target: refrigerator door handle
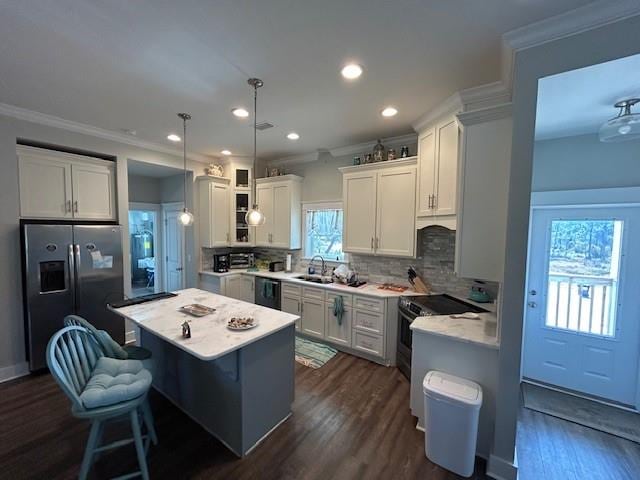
(76,286)
(72,275)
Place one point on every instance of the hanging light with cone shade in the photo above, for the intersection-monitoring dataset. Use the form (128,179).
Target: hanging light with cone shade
(255,217)
(186,217)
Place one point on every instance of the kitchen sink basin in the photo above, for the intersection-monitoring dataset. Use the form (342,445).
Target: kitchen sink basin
(315,279)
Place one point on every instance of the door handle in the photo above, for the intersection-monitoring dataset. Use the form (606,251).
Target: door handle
(76,261)
(72,274)
(75,206)
(532,304)
(178,269)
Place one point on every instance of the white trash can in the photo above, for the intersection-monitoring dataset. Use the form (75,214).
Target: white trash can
(451,412)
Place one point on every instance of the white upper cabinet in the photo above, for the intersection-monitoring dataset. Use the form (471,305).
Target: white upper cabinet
(213,211)
(438,148)
(359,202)
(379,202)
(58,185)
(482,217)
(279,199)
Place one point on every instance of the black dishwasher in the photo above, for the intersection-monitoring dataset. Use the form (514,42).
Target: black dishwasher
(268,293)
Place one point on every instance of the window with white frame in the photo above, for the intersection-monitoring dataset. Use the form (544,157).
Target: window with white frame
(322,230)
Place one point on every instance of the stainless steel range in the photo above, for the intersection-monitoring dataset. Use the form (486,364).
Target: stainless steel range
(409,308)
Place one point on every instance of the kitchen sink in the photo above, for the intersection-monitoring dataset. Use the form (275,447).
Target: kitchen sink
(315,278)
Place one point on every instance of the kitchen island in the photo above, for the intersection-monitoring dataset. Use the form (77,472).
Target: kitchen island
(238,385)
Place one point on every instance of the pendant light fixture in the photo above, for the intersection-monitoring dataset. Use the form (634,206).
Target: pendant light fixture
(624,127)
(186,217)
(255,217)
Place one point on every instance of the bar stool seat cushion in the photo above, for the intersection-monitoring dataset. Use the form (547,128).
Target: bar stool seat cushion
(114,381)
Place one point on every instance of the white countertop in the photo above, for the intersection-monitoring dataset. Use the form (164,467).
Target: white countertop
(459,329)
(370,289)
(210,337)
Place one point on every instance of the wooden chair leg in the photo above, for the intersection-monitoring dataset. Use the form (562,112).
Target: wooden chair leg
(148,420)
(92,441)
(137,435)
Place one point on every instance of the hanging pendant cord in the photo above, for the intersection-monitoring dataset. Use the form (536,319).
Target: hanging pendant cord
(184,155)
(255,141)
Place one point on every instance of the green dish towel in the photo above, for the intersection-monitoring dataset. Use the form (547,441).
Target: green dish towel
(268,290)
(338,308)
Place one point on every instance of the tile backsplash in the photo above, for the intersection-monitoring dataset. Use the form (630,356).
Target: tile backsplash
(434,263)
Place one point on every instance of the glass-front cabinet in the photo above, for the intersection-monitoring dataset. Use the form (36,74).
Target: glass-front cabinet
(242,234)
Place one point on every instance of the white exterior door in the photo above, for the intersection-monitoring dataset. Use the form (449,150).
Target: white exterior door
(264,196)
(220,214)
(174,250)
(395,223)
(582,328)
(45,188)
(427,173)
(93,191)
(446,187)
(359,193)
(281,229)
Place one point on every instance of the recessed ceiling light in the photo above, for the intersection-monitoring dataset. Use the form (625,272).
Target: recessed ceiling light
(240,112)
(389,112)
(351,71)
(226,152)
(173,137)
(293,136)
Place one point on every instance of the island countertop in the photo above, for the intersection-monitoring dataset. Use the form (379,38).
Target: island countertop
(210,337)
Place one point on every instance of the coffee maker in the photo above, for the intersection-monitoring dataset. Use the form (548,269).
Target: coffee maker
(221,263)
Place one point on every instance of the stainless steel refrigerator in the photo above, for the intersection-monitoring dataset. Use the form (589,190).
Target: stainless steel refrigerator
(69,269)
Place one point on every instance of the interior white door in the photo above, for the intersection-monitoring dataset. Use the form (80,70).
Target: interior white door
(220,214)
(93,191)
(174,253)
(281,231)
(359,193)
(582,325)
(395,223)
(264,197)
(427,172)
(446,189)
(45,188)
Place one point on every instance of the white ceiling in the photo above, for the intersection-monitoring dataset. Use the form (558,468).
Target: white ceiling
(580,101)
(144,169)
(122,64)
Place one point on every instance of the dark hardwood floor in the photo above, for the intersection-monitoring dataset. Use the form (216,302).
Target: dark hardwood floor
(350,420)
(550,448)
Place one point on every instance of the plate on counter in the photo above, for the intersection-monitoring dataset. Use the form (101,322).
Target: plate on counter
(241,323)
(197,310)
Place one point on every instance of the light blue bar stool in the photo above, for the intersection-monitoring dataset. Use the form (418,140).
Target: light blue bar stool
(102,389)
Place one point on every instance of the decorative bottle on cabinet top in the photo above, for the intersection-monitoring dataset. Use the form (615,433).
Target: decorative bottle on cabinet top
(379,152)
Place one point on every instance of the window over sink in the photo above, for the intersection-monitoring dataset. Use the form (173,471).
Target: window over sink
(322,230)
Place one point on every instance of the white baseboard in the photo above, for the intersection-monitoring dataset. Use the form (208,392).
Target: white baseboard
(14,371)
(501,469)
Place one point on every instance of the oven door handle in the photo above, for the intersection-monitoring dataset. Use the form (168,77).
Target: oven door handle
(405,316)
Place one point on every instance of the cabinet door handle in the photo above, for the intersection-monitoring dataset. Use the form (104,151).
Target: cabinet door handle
(298,306)
(435,201)
(68,206)
(377,242)
(75,206)
(371,243)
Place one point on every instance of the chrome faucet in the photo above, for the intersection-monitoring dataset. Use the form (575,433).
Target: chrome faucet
(310,268)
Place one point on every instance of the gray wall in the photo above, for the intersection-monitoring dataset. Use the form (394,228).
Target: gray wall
(595,46)
(144,189)
(583,161)
(11,322)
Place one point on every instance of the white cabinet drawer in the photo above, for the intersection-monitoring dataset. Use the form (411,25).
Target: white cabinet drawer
(313,293)
(291,290)
(347,300)
(368,343)
(369,304)
(369,321)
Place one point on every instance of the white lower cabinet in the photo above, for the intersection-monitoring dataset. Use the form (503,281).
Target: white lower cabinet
(291,305)
(338,330)
(238,286)
(248,289)
(370,322)
(313,317)
(371,344)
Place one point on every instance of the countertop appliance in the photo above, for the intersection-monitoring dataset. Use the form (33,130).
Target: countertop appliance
(411,307)
(69,269)
(241,260)
(267,293)
(276,266)
(221,263)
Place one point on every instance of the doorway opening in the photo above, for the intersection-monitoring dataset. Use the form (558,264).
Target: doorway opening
(144,244)
(581,343)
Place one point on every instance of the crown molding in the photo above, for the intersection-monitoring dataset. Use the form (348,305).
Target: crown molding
(485,96)
(398,162)
(451,105)
(296,159)
(485,114)
(20,113)
(368,146)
